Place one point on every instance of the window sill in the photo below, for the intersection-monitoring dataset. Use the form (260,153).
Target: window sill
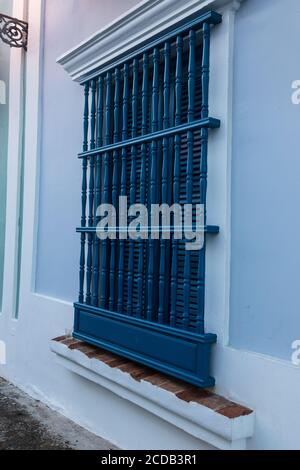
(201,413)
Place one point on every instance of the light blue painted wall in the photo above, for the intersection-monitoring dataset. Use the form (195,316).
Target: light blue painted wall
(265,305)
(5,7)
(265,276)
(67,23)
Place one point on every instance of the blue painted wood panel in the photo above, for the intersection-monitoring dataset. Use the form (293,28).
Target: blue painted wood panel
(150,344)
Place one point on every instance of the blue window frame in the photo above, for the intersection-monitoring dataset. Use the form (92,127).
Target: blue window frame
(146,124)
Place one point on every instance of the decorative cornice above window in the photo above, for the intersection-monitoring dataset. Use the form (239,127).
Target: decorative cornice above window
(137,26)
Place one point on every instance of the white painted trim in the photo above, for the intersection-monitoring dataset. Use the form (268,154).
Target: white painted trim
(14,152)
(32,142)
(193,418)
(136,26)
(218,253)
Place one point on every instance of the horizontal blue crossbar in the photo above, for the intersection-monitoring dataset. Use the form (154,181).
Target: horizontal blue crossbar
(171,229)
(209,122)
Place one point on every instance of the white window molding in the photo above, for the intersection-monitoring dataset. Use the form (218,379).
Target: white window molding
(137,26)
(218,251)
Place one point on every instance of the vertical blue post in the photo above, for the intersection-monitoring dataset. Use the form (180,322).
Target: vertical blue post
(135,91)
(113,243)
(84,191)
(93,114)
(176,175)
(100,112)
(189,174)
(89,267)
(120,306)
(91,159)
(86,117)
(164,184)
(203,175)
(145,91)
(153,183)
(95,297)
(106,188)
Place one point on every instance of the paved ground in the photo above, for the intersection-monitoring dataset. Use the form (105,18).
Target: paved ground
(28,424)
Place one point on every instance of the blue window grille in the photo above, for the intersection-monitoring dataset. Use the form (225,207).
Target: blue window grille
(146,123)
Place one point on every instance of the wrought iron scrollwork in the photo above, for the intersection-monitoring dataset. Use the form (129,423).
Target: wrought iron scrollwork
(13,32)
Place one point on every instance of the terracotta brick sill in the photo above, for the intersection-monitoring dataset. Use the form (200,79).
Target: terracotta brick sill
(210,417)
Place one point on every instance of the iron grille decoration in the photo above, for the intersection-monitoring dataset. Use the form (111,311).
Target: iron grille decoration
(146,125)
(13,32)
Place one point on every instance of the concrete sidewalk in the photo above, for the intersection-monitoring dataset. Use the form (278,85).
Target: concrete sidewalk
(29,424)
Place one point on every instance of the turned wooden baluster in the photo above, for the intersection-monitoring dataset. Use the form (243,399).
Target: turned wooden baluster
(84,191)
(95,295)
(89,267)
(113,244)
(135,91)
(176,175)
(106,192)
(153,182)
(120,306)
(203,175)
(145,99)
(189,175)
(164,184)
